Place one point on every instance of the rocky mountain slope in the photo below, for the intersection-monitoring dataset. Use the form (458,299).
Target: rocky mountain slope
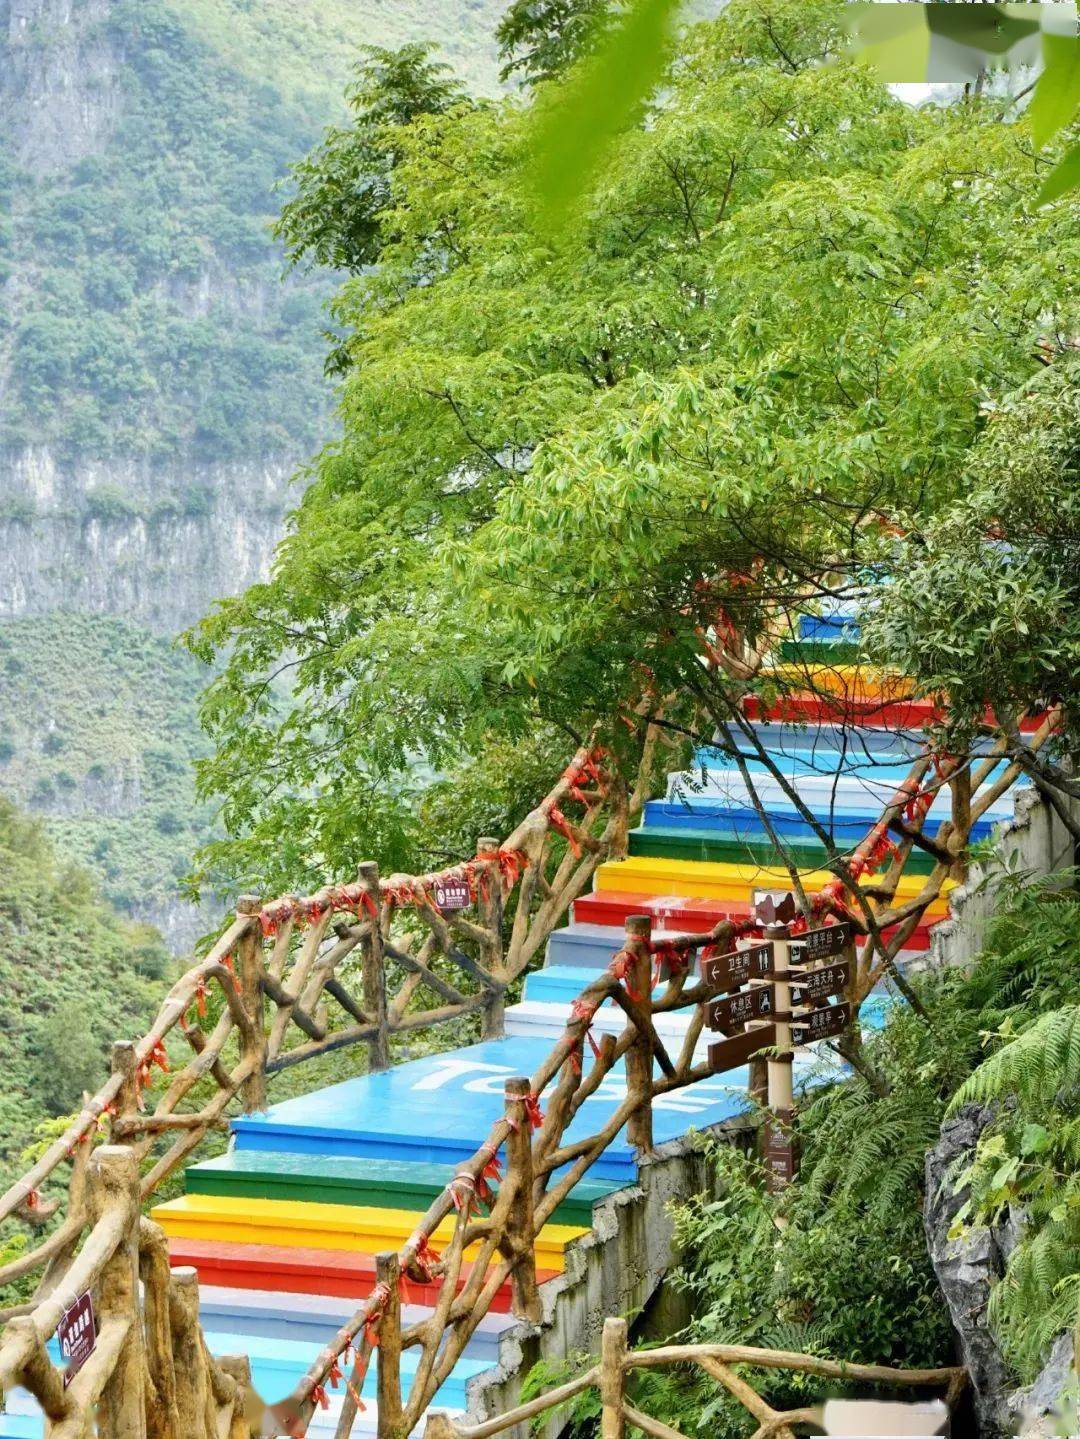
(159,384)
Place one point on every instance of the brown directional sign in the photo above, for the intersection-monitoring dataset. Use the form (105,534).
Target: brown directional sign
(818,984)
(824,1023)
(728,1015)
(731,971)
(820,943)
(779,1153)
(733,1053)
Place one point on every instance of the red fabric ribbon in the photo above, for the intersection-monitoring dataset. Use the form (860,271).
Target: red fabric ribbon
(621,968)
(533,1112)
(200,996)
(318,1394)
(559,822)
(424,1257)
(586,1010)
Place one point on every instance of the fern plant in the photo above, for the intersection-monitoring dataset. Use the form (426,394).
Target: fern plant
(1028,1161)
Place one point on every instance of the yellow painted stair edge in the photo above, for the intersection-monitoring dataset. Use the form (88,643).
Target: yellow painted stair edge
(297,1224)
(726,880)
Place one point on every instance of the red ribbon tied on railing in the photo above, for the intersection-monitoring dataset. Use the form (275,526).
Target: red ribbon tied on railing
(200,996)
(664,951)
(533,1112)
(559,822)
(621,968)
(423,1258)
(584,1009)
(227,962)
(318,1395)
(462,1190)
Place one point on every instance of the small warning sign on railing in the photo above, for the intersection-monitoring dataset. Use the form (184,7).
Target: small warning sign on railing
(77,1335)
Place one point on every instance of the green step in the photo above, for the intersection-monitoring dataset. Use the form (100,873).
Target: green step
(708,848)
(820,652)
(379,1183)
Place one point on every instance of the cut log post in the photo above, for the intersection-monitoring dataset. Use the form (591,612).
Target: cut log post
(192,1381)
(374,972)
(520,1224)
(114,1185)
(613,1346)
(249,975)
(388,1376)
(162,1417)
(125,1063)
(489,911)
(639,1058)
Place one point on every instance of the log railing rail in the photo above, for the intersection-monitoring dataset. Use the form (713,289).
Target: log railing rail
(298,978)
(719,1362)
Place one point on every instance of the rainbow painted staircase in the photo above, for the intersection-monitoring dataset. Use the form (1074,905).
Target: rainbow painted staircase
(283,1229)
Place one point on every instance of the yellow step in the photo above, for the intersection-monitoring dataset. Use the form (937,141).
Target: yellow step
(855,682)
(647,874)
(294,1224)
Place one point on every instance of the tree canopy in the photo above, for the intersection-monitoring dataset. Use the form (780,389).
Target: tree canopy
(775,331)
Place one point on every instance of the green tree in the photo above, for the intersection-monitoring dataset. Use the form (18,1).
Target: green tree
(567,460)
(336,217)
(539,39)
(70,1059)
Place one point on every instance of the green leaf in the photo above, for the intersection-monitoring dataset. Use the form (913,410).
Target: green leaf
(1065,176)
(1034,1139)
(602,98)
(1057,93)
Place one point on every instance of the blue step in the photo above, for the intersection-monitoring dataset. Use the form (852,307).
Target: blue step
(707,812)
(440,1108)
(560,984)
(592,946)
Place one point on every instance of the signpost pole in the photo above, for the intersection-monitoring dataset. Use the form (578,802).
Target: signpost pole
(780,1158)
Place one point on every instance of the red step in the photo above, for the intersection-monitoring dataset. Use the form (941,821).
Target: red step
(840,709)
(340,1273)
(690,916)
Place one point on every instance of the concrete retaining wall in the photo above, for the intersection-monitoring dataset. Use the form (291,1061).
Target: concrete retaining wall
(616,1269)
(1035,841)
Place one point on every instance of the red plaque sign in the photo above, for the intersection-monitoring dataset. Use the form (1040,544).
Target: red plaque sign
(820,943)
(733,1053)
(728,1015)
(731,971)
(824,1023)
(76,1334)
(451,894)
(818,984)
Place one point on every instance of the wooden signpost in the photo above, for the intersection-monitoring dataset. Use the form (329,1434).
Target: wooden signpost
(774,995)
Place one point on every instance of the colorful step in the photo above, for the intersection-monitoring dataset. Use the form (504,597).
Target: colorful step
(318,1317)
(704,847)
(672,913)
(345,1274)
(822,795)
(287,1222)
(708,812)
(385,1183)
(394,1114)
(730,882)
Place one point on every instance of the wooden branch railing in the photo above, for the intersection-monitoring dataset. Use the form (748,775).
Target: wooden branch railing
(301,977)
(721,1363)
(287,981)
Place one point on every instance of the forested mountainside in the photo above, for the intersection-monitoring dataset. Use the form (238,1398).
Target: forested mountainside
(74,977)
(158,383)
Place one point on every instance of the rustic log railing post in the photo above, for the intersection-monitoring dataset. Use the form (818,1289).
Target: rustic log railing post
(489,910)
(249,978)
(639,1057)
(125,1063)
(388,1373)
(374,971)
(114,1184)
(520,1225)
(613,1347)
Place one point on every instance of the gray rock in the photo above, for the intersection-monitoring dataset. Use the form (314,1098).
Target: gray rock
(967,1267)
(1029,1407)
